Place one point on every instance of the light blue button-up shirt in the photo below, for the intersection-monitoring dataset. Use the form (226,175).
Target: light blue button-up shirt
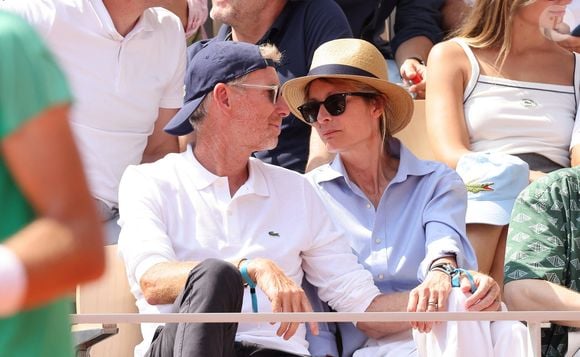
(420,218)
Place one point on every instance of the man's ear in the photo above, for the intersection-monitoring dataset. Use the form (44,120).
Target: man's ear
(221,96)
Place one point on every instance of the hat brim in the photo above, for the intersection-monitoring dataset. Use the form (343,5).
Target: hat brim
(179,124)
(497,213)
(399,101)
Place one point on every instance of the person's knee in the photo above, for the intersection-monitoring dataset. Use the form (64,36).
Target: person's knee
(221,277)
(222,270)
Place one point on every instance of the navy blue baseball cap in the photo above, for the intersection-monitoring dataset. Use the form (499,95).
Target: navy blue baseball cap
(209,63)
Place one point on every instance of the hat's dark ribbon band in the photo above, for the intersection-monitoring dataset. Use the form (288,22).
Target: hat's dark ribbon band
(339,69)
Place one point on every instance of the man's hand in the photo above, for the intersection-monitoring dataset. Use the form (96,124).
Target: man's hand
(414,72)
(431,295)
(487,295)
(284,294)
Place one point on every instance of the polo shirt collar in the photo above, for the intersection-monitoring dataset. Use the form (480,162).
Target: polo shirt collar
(143,24)
(203,178)
(257,180)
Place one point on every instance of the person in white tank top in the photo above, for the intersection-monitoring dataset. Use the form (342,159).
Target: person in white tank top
(501,86)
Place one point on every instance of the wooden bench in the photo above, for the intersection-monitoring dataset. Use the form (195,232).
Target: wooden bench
(414,136)
(109,294)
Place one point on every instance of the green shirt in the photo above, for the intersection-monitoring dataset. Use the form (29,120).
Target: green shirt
(30,82)
(544,241)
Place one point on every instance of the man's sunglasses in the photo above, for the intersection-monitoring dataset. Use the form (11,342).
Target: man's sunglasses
(335,105)
(274,90)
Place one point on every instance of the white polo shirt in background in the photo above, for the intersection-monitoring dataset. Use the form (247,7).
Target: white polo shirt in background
(119,83)
(176,210)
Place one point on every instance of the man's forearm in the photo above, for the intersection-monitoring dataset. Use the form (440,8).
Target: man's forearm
(541,295)
(414,47)
(162,283)
(395,302)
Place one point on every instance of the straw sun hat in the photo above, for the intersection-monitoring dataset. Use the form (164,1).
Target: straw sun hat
(357,60)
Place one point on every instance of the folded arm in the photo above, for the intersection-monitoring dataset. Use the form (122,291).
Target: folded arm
(395,302)
(163,282)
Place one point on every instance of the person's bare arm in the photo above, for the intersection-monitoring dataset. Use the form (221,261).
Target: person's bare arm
(541,295)
(448,135)
(395,302)
(64,245)
(575,155)
(160,143)
(410,68)
(536,175)
(162,283)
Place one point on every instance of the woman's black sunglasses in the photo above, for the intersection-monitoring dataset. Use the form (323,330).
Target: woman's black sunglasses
(335,104)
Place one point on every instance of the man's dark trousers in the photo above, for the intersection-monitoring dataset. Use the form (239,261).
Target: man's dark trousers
(212,286)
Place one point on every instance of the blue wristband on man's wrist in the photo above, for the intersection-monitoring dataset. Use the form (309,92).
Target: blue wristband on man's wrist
(251,284)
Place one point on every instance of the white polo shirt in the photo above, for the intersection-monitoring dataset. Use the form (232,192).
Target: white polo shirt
(176,210)
(119,83)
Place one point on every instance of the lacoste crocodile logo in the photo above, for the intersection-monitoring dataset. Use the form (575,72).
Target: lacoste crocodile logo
(274,234)
(478,187)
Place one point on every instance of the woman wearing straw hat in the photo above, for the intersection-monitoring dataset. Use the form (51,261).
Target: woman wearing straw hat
(404,217)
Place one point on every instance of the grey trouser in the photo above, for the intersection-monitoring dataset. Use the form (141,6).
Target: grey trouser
(109,217)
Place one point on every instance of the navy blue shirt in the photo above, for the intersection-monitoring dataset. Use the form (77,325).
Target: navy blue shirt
(297,32)
(413,18)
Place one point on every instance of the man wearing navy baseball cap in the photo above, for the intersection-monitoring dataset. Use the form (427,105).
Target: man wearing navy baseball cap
(213,65)
(208,230)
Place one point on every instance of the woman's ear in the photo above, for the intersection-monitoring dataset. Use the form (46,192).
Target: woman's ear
(377,105)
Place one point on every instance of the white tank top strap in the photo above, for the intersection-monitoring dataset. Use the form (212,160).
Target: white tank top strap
(577,79)
(474,67)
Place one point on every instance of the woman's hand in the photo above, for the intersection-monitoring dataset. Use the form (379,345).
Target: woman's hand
(487,295)
(284,294)
(431,295)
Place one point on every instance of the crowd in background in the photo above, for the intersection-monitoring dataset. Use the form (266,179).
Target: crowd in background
(256,170)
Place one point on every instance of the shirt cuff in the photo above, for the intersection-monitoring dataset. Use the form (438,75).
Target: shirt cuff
(13,281)
(439,249)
